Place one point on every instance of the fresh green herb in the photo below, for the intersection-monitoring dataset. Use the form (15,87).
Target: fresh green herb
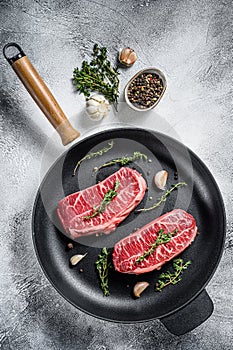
(161,239)
(123,160)
(99,75)
(164,197)
(168,277)
(103,267)
(108,197)
(94,154)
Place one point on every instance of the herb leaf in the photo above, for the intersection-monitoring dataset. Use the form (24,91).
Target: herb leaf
(123,160)
(103,267)
(99,75)
(164,197)
(162,238)
(168,277)
(109,195)
(94,154)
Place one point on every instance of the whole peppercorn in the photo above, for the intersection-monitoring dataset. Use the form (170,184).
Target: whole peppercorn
(70,245)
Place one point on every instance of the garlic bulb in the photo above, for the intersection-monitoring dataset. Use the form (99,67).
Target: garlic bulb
(139,288)
(127,56)
(97,107)
(160,179)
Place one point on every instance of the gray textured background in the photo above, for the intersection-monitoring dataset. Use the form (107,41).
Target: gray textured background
(191,41)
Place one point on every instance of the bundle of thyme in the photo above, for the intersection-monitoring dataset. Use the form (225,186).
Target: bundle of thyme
(103,267)
(98,75)
(161,239)
(168,277)
(112,193)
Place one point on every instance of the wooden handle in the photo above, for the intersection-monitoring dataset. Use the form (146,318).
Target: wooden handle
(42,96)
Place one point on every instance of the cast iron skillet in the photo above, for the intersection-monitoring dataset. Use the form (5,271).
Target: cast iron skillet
(180,307)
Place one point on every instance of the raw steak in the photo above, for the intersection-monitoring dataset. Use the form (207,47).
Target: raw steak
(73,209)
(129,249)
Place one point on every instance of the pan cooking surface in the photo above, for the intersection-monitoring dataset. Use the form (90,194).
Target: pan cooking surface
(201,198)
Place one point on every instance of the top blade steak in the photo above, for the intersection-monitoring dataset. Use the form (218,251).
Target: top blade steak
(129,249)
(73,209)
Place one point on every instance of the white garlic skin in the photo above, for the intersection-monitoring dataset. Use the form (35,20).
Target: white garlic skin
(160,179)
(97,107)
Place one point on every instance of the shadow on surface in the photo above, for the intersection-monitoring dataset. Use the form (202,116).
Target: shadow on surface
(17,122)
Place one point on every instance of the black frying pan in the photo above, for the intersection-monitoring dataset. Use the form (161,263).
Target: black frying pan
(181,307)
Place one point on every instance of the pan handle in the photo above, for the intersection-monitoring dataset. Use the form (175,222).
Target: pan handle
(190,316)
(40,93)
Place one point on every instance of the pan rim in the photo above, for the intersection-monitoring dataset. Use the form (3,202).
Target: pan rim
(223,213)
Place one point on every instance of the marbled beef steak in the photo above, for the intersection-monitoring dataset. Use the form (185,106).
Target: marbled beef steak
(129,249)
(73,209)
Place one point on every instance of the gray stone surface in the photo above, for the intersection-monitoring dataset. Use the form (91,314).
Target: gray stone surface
(191,41)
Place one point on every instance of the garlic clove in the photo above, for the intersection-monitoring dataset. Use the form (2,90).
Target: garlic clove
(103,108)
(98,98)
(96,116)
(92,110)
(160,179)
(131,58)
(75,259)
(127,56)
(93,102)
(139,288)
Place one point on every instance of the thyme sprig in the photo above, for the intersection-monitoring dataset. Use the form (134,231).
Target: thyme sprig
(94,154)
(123,160)
(164,197)
(108,197)
(162,238)
(98,75)
(103,267)
(168,277)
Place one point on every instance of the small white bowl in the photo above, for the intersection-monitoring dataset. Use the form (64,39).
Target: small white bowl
(146,70)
